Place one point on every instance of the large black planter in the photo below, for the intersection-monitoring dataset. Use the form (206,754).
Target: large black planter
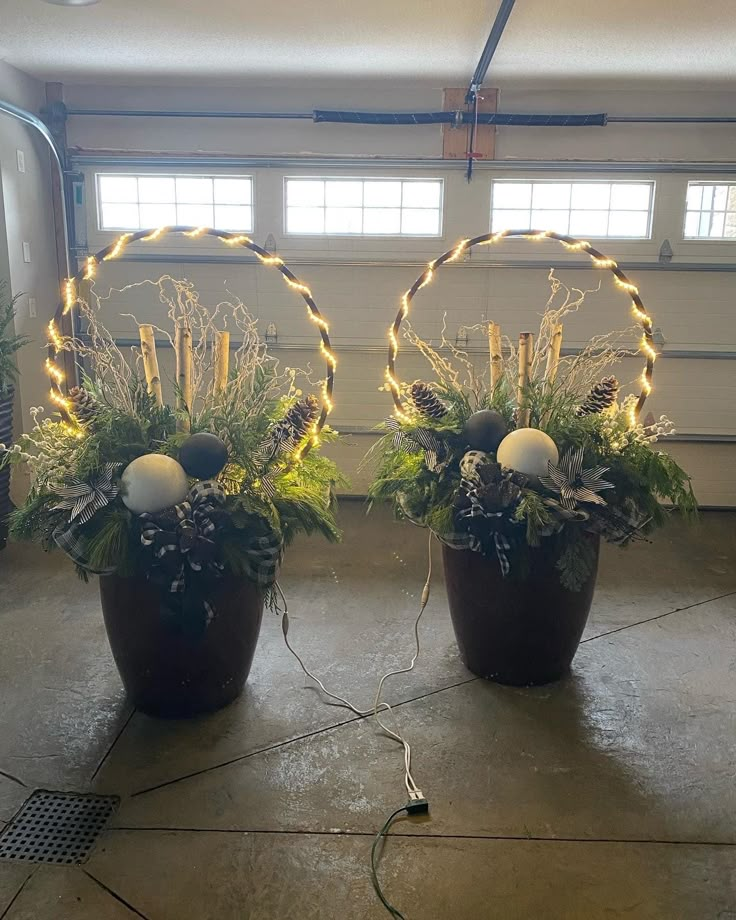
(172,673)
(6,434)
(516,630)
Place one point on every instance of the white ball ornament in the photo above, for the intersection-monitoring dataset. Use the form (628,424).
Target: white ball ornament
(153,482)
(527,450)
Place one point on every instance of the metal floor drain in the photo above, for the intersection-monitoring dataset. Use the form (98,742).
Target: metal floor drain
(56,827)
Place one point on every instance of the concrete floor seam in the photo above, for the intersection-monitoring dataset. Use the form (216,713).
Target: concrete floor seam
(115,895)
(295,832)
(115,740)
(312,734)
(13,778)
(18,892)
(660,616)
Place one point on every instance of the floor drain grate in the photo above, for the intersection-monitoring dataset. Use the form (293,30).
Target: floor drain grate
(56,827)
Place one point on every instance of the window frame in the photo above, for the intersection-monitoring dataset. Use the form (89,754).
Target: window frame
(322,234)
(705,239)
(173,175)
(651,182)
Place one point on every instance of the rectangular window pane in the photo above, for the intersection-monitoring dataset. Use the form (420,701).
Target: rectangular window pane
(382,194)
(694,197)
(195,215)
(594,196)
(157,215)
(382,220)
(118,189)
(628,223)
(367,207)
(344,194)
(511,195)
(551,220)
(156,190)
(420,221)
(194,191)
(711,211)
(233,217)
(589,223)
(630,197)
(586,209)
(305,220)
(305,193)
(551,195)
(232,191)
(421,195)
(141,202)
(510,220)
(120,216)
(343,220)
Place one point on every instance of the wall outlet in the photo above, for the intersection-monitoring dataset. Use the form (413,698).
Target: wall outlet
(32,307)
(26,252)
(21,157)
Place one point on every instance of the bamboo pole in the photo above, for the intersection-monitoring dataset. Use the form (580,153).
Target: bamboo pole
(494,346)
(553,357)
(150,363)
(526,354)
(222,360)
(183,349)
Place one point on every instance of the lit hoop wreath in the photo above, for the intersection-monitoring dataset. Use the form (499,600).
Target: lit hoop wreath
(570,243)
(87,273)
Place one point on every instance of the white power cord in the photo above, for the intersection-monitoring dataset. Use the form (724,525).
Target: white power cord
(379,705)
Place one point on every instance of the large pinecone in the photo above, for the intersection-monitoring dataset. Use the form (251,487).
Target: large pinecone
(426,402)
(293,427)
(84,406)
(602,395)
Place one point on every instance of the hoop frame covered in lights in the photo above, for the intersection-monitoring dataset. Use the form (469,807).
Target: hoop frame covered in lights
(572,244)
(88,272)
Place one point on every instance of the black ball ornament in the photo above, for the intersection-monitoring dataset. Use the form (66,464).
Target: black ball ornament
(485,430)
(203,455)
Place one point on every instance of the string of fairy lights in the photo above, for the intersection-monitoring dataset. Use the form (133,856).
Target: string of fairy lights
(640,312)
(70,297)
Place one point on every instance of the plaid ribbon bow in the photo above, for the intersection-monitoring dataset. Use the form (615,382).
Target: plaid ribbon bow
(182,542)
(419,439)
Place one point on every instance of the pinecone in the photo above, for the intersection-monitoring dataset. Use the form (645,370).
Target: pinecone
(293,427)
(602,395)
(84,406)
(426,402)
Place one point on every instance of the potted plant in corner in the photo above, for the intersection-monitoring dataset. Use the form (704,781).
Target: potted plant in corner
(520,468)
(9,345)
(183,510)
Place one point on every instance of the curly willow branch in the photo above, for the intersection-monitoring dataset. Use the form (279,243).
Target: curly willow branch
(572,245)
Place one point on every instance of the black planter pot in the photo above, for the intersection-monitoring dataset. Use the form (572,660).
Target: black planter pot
(6,434)
(519,631)
(167,672)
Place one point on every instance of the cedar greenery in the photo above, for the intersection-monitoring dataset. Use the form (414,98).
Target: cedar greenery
(10,342)
(273,497)
(645,479)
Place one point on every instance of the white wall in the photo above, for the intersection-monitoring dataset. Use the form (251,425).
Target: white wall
(694,309)
(28,218)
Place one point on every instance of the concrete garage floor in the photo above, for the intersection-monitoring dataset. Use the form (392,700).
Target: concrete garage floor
(608,795)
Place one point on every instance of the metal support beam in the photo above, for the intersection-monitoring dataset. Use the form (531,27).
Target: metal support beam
(499,24)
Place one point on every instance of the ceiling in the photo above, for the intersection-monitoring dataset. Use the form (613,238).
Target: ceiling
(164,41)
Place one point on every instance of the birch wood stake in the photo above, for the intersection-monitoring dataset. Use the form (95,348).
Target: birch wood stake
(494,346)
(183,349)
(222,360)
(553,361)
(553,357)
(526,353)
(150,363)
